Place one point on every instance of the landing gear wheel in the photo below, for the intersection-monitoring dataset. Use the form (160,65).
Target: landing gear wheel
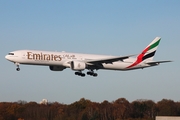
(92,73)
(18,69)
(80,74)
(88,73)
(76,73)
(95,74)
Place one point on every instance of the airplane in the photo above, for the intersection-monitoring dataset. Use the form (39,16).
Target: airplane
(58,61)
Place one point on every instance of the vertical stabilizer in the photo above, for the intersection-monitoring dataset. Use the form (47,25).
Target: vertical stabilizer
(148,53)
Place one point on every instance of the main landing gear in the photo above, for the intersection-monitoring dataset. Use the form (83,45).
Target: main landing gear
(80,74)
(91,73)
(17,64)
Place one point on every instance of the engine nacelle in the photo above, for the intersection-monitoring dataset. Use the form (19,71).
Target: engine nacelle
(78,65)
(57,68)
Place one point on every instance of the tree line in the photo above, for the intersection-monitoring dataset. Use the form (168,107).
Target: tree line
(120,109)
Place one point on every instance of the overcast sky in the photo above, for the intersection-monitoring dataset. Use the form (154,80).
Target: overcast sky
(119,27)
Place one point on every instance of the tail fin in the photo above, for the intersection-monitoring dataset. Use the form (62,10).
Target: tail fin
(149,52)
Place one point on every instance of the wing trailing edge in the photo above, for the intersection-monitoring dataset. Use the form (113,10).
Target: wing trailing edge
(108,60)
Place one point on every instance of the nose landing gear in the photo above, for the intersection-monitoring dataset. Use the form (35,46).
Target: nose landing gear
(17,64)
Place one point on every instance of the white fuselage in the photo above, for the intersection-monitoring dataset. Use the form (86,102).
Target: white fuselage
(58,61)
(47,58)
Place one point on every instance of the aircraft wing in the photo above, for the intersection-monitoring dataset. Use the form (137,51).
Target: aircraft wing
(157,62)
(108,60)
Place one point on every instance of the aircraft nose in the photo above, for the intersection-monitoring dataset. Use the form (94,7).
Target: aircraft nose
(7,57)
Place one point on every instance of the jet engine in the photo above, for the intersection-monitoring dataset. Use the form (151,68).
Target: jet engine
(78,65)
(57,68)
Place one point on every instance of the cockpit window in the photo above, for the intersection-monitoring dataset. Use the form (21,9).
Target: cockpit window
(11,54)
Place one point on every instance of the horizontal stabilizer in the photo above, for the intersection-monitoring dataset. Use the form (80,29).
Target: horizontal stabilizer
(157,62)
